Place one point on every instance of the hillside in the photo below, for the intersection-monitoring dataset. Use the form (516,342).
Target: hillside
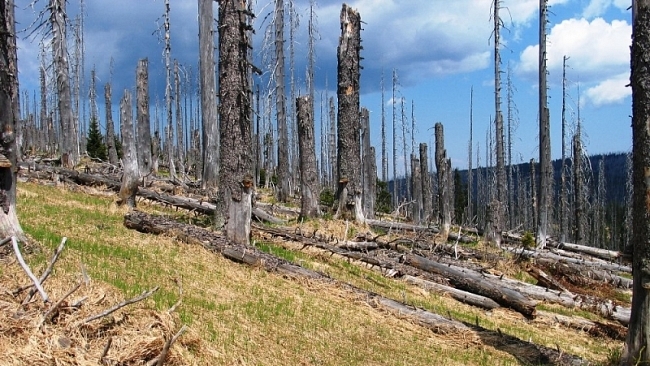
(239,314)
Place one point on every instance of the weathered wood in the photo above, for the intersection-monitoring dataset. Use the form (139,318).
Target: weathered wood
(529,352)
(582,275)
(390,225)
(545,279)
(584,249)
(460,295)
(596,329)
(475,282)
(559,258)
(142,116)
(210,153)
(130,161)
(309,187)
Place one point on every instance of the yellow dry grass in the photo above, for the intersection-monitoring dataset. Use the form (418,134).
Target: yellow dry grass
(237,315)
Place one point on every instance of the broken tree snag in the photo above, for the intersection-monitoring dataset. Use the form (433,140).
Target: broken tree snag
(9,225)
(129,187)
(475,282)
(350,187)
(142,115)
(369,171)
(308,168)
(238,226)
(443,181)
(427,194)
(233,201)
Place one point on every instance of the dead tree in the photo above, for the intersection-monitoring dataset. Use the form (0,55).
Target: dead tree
(208,96)
(384,159)
(131,176)
(369,167)
(545,168)
(309,186)
(563,166)
(349,161)
(180,146)
(416,190)
(110,129)
(443,180)
(142,117)
(9,225)
(169,141)
(637,349)
(427,193)
(233,203)
(579,201)
(470,172)
(69,141)
(280,105)
(498,124)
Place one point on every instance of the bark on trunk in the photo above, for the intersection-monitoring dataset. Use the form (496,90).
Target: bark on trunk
(349,150)
(69,135)
(638,341)
(309,187)
(9,225)
(210,153)
(416,183)
(236,155)
(474,282)
(281,108)
(369,170)
(427,194)
(110,129)
(143,122)
(545,168)
(443,182)
(131,175)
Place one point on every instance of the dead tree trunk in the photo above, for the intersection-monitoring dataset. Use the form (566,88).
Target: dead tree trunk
(233,206)
(110,129)
(9,225)
(369,172)
(564,222)
(498,215)
(208,96)
(308,168)
(427,193)
(69,136)
(545,168)
(637,350)
(349,160)
(443,183)
(131,175)
(416,184)
(281,108)
(579,192)
(142,116)
(180,146)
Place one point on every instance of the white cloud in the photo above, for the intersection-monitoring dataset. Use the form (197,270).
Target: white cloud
(597,49)
(596,8)
(623,5)
(610,91)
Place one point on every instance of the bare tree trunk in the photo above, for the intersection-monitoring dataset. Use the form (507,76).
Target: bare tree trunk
(395,181)
(563,174)
(369,167)
(281,108)
(427,194)
(579,192)
(131,175)
(69,137)
(110,129)
(637,349)
(169,142)
(498,126)
(349,159)
(416,189)
(384,159)
(180,146)
(308,168)
(443,181)
(332,143)
(533,193)
(233,204)
(142,116)
(545,173)
(210,124)
(9,224)
(470,172)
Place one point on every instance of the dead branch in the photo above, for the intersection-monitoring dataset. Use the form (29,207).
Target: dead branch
(50,313)
(45,274)
(102,358)
(27,270)
(180,295)
(160,360)
(140,297)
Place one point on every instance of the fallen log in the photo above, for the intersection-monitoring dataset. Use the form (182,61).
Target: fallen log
(596,329)
(460,295)
(472,281)
(527,352)
(595,264)
(583,276)
(584,249)
(391,225)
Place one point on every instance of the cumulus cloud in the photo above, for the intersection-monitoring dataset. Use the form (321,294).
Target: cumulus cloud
(597,49)
(610,91)
(596,8)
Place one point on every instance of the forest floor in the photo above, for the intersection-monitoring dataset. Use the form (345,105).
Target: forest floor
(238,314)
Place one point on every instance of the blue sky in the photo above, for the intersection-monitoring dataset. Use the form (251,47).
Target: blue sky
(440,49)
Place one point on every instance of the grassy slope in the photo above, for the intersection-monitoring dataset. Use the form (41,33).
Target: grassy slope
(248,316)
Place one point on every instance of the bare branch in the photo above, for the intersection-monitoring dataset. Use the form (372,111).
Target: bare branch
(140,297)
(50,313)
(45,274)
(27,270)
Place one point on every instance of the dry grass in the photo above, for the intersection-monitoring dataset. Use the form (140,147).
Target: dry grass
(240,315)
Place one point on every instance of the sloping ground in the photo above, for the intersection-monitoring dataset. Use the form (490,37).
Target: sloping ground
(243,315)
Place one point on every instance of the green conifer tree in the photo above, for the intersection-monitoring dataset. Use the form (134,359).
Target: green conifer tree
(95,146)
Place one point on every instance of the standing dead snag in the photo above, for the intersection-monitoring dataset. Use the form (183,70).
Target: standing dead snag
(208,96)
(280,107)
(142,115)
(443,180)
(9,225)
(233,206)
(131,174)
(308,168)
(348,156)
(637,350)
(369,171)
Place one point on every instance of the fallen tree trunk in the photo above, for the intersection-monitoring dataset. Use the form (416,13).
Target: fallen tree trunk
(460,295)
(472,281)
(596,329)
(527,352)
(391,225)
(605,254)
(583,275)
(595,264)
